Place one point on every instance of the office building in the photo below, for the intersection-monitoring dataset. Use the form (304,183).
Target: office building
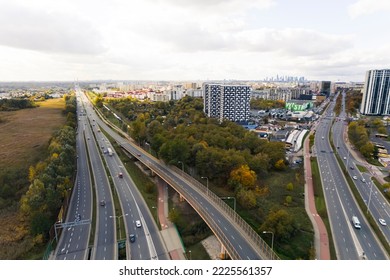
(376,93)
(227,101)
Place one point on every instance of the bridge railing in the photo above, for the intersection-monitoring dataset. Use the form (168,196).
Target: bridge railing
(263,248)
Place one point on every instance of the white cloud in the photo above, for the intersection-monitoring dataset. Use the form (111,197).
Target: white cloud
(365,7)
(46,31)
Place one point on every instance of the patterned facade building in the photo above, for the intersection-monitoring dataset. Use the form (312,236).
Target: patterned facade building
(376,93)
(230,102)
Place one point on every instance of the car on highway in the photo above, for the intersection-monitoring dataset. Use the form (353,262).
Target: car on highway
(363,180)
(345,157)
(354,177)
(352,167)
(132,238)
(323,137)
(382,221)
(102,203)
(120,175)
(138,223)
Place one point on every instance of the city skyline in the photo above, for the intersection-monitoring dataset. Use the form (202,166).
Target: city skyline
(186,40)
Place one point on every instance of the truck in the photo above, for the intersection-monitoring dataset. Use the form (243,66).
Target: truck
(109,151)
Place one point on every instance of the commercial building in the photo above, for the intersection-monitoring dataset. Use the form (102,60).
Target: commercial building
(376,93)
(230,102)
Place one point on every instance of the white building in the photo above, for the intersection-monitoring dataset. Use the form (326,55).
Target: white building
(376,93)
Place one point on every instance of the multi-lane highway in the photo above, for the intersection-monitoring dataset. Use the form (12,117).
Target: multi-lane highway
(73,244)
(148,243)
(374,199)
(350,243)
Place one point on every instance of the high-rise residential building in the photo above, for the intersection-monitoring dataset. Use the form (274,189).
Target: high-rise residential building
(376,93)
(227,101)
(325,87)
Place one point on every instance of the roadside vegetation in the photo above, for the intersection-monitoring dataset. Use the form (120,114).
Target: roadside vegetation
(37,163)
(236,163)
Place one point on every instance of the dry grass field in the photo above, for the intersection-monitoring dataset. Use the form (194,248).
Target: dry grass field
(24,138)
(25,134)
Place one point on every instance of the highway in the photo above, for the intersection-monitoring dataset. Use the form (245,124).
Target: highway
(148,242)
(377,203)
(73,244)
(231,231)
(350,243)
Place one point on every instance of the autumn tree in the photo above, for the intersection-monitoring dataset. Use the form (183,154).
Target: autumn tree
(280,223)
(242,177)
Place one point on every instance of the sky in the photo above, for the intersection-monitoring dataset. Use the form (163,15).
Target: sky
(65,40)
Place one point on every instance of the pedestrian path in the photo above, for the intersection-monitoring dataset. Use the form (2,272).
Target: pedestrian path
(169,232)
(321,239)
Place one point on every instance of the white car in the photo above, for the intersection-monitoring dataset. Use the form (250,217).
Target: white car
(345,157)
(354,177)
(138,223)
(382,222)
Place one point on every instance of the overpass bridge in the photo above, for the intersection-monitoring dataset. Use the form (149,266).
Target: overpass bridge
(237,237)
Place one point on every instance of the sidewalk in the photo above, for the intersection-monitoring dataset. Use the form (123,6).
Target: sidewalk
(169,232)
(321,239)
(374,170)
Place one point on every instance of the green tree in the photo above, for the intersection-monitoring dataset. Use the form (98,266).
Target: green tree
(246,198)
(280,223)
(290,186)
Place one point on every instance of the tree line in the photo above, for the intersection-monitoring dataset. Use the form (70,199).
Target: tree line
(51,178)
(16,104)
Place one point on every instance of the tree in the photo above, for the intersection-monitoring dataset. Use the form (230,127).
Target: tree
(280,223)
(243,177)
(290,186)
(280,165)
(246,198)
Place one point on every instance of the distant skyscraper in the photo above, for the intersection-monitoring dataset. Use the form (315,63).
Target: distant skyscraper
(325,87)
(227,101)
(376,93)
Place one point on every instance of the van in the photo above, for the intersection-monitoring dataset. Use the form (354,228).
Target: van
(355,222)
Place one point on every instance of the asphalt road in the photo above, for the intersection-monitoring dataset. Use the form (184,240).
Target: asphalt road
(350,243)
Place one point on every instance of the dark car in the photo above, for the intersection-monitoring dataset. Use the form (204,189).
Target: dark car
(132,238)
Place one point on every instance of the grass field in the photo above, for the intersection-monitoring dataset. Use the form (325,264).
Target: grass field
(25,135)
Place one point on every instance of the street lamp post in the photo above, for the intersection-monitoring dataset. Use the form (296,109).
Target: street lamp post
(207,183)
(234,201)
(119,223)
(272,241)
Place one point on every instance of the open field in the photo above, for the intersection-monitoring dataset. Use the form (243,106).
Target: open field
(25,133)
(24,136)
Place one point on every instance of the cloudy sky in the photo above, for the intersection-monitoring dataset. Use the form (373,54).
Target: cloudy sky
(46,40)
